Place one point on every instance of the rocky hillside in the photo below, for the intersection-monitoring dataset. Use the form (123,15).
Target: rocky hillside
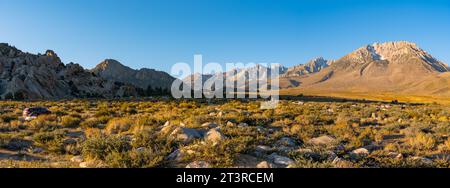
(398,67)
(113,70)
(29,76)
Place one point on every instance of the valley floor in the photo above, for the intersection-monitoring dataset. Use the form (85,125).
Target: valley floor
(303,132)
(382,96)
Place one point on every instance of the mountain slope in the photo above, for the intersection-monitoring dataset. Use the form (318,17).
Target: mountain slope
(394,67)
(143,78)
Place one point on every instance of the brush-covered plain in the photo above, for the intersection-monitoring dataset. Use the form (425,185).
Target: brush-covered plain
(224,133)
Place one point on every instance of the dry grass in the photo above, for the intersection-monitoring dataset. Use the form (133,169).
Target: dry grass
(128,133)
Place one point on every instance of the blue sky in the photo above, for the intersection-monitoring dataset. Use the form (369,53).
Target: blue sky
(158,34)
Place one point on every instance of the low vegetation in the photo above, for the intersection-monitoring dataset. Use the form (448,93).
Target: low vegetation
(225,133)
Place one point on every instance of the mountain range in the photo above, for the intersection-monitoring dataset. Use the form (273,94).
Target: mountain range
(392,67)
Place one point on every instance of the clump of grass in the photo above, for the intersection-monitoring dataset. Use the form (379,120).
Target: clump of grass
(70,121)
(44,122)
(422,141)
(99,147)
(119,125)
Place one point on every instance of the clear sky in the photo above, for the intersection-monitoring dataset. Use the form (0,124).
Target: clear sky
(158,34)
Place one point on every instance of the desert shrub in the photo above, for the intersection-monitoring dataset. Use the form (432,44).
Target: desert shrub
(70,121)
(91,123)
(313,119)
(445,146)
(45,137)
(342,130)
(93,132)
(365,137)
(4,139)
(104,112)
(8,117)
(43,122)
(53,141)
(224,153)
(422,141)
(119,125)
(304,132)
(128,108)
(98,147)
(309,163)
(136,158)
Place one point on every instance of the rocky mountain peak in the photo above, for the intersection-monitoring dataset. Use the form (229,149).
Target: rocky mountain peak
(109,64)
(395,52)
(312,66)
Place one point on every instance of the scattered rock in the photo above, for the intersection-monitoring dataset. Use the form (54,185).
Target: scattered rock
(373,147)
(264,164)
(395,155)
(166,124)
(262,148)
(422,160)
(185,135)
(286,141)
(209,125)
(342,163)
(230,124)
(177,155)
(140,149)
(259,129)
(198,164)
(280,160)
(85,165)
(76,134)
(360,152)
(36,150)
(330,155)
(69,141)
(285,149)
(77,159)
(214,136)
(245,161)
(242,125)
(322,140)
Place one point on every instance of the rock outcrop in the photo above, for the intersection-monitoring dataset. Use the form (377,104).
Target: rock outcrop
(44,76)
